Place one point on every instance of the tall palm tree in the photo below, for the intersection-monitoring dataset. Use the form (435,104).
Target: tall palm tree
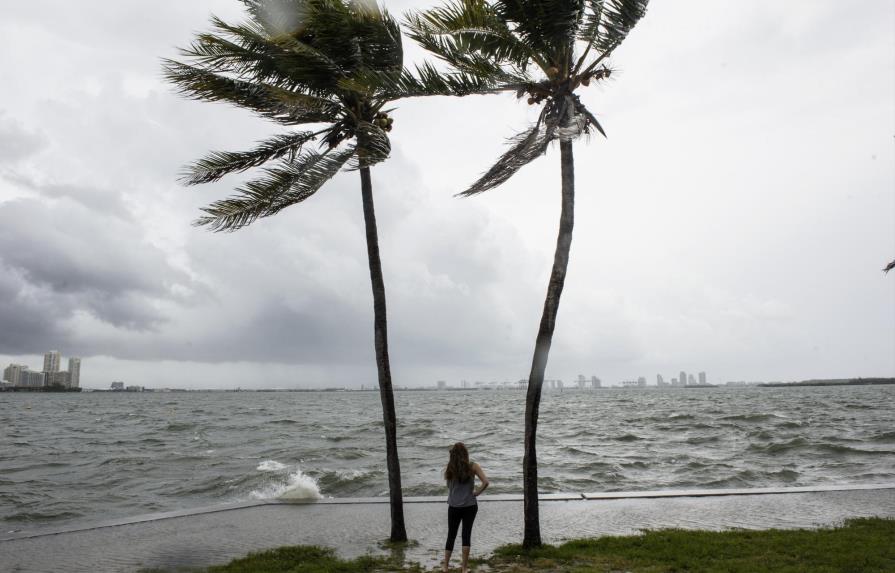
(545,51)
(289,63)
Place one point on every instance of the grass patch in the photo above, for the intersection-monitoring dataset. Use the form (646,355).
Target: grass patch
(858,546)
(307,559)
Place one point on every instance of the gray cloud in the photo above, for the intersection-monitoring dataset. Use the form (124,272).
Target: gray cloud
(26,316)
(16,142)
(78,259)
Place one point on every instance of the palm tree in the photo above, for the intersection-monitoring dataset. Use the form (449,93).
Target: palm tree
(545,51)
(289,63)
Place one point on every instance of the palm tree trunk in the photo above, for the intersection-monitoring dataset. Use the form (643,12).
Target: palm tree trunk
(532,535)
(380,330)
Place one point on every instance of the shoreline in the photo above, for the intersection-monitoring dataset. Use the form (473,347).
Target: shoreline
(190,540)
(410,500)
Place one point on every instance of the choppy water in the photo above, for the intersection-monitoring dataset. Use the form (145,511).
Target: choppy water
(76,457)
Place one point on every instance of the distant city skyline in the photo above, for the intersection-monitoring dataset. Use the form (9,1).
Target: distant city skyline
(21,375)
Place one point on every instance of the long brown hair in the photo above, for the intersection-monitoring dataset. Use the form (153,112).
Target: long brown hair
(458,467)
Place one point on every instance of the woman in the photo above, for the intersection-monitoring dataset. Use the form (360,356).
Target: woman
(462,505)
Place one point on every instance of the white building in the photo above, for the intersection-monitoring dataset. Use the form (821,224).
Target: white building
(702,378)
(51,361)
(74,372)
(595,382)
(33,379)
(59,378)
(13,373)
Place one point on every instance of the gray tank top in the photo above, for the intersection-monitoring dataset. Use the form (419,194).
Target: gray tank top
(460,493)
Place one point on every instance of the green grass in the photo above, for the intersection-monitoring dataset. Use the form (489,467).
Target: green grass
(858,546)
(306,559)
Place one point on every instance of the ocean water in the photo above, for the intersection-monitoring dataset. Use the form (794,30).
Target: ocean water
(69,458)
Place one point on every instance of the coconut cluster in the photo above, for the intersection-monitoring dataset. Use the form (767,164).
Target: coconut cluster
(383,121)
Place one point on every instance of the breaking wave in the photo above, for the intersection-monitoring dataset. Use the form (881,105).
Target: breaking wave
(297,485)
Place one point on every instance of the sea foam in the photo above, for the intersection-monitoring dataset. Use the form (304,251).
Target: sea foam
(270,466)
(298,485)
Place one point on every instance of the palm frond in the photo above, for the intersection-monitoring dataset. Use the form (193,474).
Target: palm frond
(378,37)
(287,184)
(291,62)
(272,102)
(308,27)
(470,26)
(220,163)
(607,23)
(426,81)
(247,50)
(469,51)
(525,148)
(278,16)
(590,119)
(547,25)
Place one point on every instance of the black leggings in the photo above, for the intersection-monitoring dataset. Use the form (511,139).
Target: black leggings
(455,516)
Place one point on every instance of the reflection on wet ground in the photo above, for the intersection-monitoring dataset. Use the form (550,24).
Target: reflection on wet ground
(358,528)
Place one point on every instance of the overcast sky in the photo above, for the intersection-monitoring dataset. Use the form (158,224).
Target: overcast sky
(735,221)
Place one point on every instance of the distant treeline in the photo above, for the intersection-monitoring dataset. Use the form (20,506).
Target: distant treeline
(835,382)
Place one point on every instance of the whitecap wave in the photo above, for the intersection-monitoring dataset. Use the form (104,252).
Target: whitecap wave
(270,466)
(298,485)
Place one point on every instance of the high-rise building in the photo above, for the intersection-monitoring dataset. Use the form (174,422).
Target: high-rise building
(59,378)
(74,372)
(441,384)
(13,373)
(691,381)
(582,382)
(33,379)
(659,380)
(51,361)
(682,378)
(641,381)
(702,378)
(595,382)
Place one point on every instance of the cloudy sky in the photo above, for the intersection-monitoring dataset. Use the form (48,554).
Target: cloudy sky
(735,221)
